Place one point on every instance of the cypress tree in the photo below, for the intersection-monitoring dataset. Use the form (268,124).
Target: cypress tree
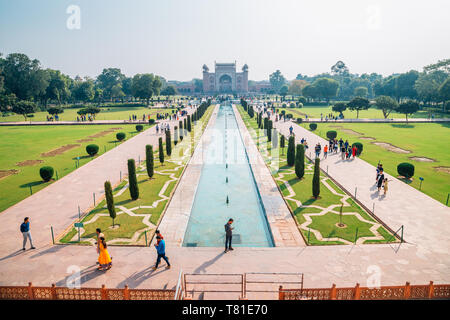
(300,161)
(282,143)
(269,130)
(189,128)
(110,200)
(149,160)
(275,139)
(291,151)
(132,180)
(168,143)
(316,179)
(161,151)
(181,130)
(185,126)
(175,135)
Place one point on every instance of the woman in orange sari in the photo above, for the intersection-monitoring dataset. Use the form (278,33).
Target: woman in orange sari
(104,260)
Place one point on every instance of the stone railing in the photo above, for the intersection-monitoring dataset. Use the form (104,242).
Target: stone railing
(63,293)
(430,291)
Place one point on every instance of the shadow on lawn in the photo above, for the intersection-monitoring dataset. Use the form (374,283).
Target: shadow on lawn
(32,184)
(402,125)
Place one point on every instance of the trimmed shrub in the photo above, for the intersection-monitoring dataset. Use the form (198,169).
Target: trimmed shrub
(161,151)
(139,127)
(313,126)
(151,121)
(282,141)
(269,130)
(359,147)
(405,169)
(331,134)
(316,179)
(300,161)
(291,151)
(292,105)
(149,162)
(168,143)
(299,120)
(299,105)
(275,138)
(92,149)
(46,173)
(132,180)
(120,136)
(110,200)
(289,116)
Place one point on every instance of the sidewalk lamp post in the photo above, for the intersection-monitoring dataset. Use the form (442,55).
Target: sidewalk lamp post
(420,186)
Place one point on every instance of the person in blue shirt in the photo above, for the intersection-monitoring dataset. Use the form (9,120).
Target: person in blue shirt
(25,229)
(161,250)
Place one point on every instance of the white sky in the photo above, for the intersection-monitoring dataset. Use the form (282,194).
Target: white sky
(174,38)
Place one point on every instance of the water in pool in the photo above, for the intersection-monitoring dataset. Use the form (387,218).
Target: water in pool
(226,173)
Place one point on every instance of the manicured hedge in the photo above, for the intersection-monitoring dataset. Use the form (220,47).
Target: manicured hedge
(120,136)
(331,134)
(405,169)
(46,173)
(139,127)
(313,126)
(92,149)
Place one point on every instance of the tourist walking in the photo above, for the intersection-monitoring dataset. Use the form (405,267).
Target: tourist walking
(228,235)
(25,229)
(379,169)
(354,151)
(385,185)
(104,260)
(380,180)
(325,151)
(161,251)
(290,130)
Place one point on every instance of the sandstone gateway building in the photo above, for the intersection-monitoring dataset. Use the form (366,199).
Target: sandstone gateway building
(225,79)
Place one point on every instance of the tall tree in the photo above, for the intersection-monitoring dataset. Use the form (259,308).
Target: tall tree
(316,179)
(149,162)
(24,108)
(358,104)
(132,180)
(24,77)
(291,151)
(168,143)
(144,86)
(161,151)
(110,80)
(300,161)
(386,104)
(110,201)
(408,107)
(277,80)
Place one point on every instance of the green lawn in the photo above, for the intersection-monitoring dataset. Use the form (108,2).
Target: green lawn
(372,113)
(19,144)
(113,113)
(430,140)
(149,192)
(302,191)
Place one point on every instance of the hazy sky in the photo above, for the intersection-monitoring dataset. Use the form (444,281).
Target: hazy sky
(174,38)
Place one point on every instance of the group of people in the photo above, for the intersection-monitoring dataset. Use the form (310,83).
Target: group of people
(85,117)
(53,118)
(381,181)
(331,116)
(163,127)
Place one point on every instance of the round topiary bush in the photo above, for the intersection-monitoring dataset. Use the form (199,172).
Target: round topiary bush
(151,121)
(359,147)
(46,173)
(331,134)
(313,126)
(139,127)
(292,105)
(92,149)
(299,105)
(405,169)
(299,120)
(289,116)
(120,136)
